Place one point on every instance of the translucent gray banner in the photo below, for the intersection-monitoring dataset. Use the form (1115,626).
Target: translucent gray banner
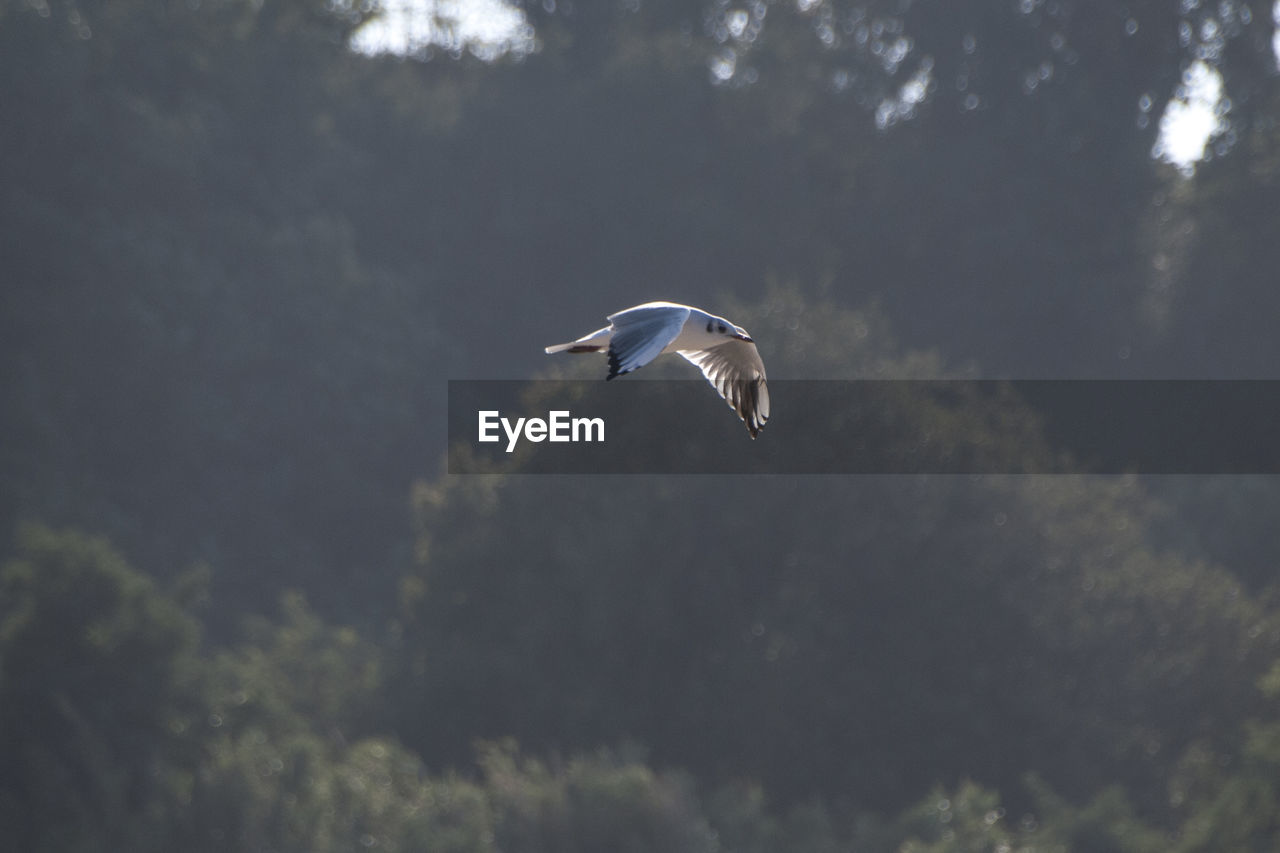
(635,426)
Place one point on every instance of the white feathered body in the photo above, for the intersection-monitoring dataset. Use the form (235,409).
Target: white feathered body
(701,330)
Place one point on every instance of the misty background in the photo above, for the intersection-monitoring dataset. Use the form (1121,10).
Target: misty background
(247,242)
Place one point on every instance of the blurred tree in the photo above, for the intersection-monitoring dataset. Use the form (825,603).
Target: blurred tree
(281,246)
(1212,272)
(1223,520)
(593,802)
(1023,623)
(239,259)
(1236,802)
(296,674)
(97,681)
(972,820)
(217,301)
(969,820)
(301,792)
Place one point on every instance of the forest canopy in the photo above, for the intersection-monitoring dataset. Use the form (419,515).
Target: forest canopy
(243,607)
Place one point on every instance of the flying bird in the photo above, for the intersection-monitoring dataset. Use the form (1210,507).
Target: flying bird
(725,353)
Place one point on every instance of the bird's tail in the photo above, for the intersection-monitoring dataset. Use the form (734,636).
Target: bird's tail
(574,346)
(597,341)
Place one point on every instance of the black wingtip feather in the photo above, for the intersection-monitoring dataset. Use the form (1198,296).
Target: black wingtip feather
(750,410)
(615,366)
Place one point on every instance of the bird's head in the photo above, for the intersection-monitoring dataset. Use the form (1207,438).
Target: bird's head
(724,327)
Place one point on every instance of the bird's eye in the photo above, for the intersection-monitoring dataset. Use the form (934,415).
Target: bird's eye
(722,330)
(709,324)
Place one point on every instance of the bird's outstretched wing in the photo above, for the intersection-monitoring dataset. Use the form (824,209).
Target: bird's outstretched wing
(641,334)
(735,370)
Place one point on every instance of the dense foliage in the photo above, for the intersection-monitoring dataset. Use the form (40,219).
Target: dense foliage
(241,608)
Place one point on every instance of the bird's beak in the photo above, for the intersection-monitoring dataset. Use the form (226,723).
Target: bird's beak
(744,338)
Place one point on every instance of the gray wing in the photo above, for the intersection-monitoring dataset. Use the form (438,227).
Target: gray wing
(641,334)
(736,371)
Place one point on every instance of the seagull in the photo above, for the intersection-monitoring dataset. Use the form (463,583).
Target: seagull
(725,353)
